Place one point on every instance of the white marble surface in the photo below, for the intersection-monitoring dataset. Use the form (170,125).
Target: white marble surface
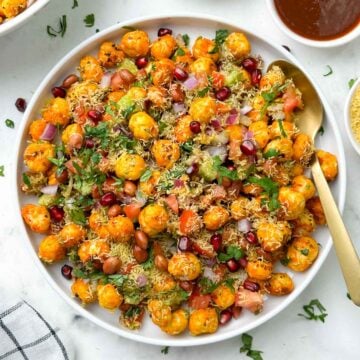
(25,58)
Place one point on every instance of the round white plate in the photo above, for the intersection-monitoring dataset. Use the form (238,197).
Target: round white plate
(194,25)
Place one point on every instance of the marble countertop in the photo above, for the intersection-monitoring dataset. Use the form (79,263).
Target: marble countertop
(29,53)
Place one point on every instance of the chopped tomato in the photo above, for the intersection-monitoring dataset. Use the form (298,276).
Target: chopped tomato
(132,211)
(173,204)
(291,100)
(204,249)
(217,80)
(199,301)
(189,222)
(250,300)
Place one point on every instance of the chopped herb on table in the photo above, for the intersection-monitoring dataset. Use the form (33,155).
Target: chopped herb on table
(61,28)
(329,72)
(165,350)
(9,123)
(247,347)
(312,308)
(75,4)
(2,170)
(351,83)
(89,20)
(186,39)
(321,131)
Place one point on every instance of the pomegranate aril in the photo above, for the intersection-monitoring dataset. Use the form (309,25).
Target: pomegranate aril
(250,285)
(94,115)
(236,311)
(89,143)
(56,213)
(66,271)
(223,94)
(184,243)
(195,127)
(251,238)
(108,199)
(141,62)
(58,91)
(247,147)
(20,104)
(232,265)
(192,169)
(225,317)
(243,262)
(180,74)
(256,77)
(249,64)
(216,241)
(164,31)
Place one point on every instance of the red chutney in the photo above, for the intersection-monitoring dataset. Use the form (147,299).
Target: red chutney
(319,19)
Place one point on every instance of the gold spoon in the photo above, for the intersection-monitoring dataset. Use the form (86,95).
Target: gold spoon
(309,122)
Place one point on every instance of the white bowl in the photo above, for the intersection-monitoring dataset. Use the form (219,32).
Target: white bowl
(194,25)
(22,18)
(355,143)
(315,43)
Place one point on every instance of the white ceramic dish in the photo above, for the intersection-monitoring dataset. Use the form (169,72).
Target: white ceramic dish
(194,25)
(315,43)
(350,134)
(20,19)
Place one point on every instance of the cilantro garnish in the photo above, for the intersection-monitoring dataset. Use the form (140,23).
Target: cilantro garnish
(282,130)
(220,36)
(186,39)
(330,71)
(165,350)
(61,30)
(232,252)
(187,146)
(77,216)
(285,261)
(89,20)
(223,171)
(305,252)
(321,131)
(247,347)
(271,189)
(203,92)
(271,153)
(75,4)
(207,285)
(179,52)
(9,123)
(146,175)
(128,111)
(100,132)
(2,170)
(351,83)
(311,308)
(26,179)
(117,279)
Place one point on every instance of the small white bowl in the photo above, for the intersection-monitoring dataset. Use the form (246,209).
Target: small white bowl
(355,143)
(22,18)
(315,43)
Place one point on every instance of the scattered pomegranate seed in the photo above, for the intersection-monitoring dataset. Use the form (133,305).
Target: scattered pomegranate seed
(108,199)
(250,285)
(56,213)
(66,271)
(236,311)
(192,169)
(141,62)
(256,77)
(232,265)
(20,104)
(249,64)
(180,74)
(184,243)
(216,241)
(223,93)
(195,127)
(251,238)
(225,317)
(164,31)
(243,262)
(247,147)
(94,115)
(89,143)
(58,91)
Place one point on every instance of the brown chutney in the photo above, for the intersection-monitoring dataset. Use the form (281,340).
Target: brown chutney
(319,19)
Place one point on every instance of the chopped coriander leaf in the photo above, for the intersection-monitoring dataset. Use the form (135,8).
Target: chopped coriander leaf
(321,131)
(351,83)
(282,130)
(77,216)
(146,175)
(187,146)
(186,39)
(179,52)
(62,28)
(305,252)
(271,189)
(75,4)
(207,286)
(165,350)
(330,71)
(128,111)
(203,91)
(100,131)
(348,296)
(89,20)
(223,171)
(311,308)
(271,153)
(221,36)
(285,261)
(2,170)
(26,179)
(9,123)
(247,347)
(117,279)
(130,28)
(232,252)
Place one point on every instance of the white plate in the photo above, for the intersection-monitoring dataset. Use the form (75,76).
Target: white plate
(194,25)
(22,18)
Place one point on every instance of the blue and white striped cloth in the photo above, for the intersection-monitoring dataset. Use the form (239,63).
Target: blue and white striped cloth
(26,335)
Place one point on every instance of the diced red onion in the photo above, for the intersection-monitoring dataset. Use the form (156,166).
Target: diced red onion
(221,138)
(179,108)
(106,80)
(49,190)
(232,119)
(208,273)
(220,151)
(245,109)
(215,124)
(141,199)
(178,183)
(248,135)
(244,225)
(141,280)
(49,132)
(209,261)
(191,83)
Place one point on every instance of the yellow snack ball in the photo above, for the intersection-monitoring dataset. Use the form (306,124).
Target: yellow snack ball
(12,8)
(235,132)
(165,152)
(178,323)
(160,313)
(143,126)
(182,129)
(36,157)
(272,236)
(184,266)
(108,297)
(164,283)
(302,253)
(93,249)
(283,147)
(120,228)
(239,208)
(274,77)
(292,202)
(259,269)
(304,185)
(315,207)
(110,54)
(223,296)
(282,129)
(204,47)
(36,217)
(153,219)
(148,187)
(83,290)
(157,95)
(130,166)
(215,217)
(37,128)
(98,223)
(279,284)
(304,224)
(162,72)
(135,43)
(90,69)
(71,235)
(261,133)
(328,163)
(203,321)
(163,47)
(51,250)
(136,93)
(57,112)
(72,137)
(203,109)
(238,45)
(203,65)
(302,149)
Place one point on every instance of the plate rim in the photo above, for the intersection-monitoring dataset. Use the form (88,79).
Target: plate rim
(209,338)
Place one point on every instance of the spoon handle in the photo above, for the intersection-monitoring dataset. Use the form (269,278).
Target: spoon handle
(346,253)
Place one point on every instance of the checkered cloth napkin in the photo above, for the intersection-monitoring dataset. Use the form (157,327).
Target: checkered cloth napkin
(26,335)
